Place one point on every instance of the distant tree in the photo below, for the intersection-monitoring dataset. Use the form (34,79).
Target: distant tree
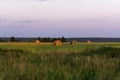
(46,39)
(54,39)
(12,39)
(1,40)
(63,39)
(39,39)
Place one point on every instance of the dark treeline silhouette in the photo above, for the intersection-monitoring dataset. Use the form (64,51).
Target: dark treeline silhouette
(1,40)
(44,39)
(12,39)
(47,39)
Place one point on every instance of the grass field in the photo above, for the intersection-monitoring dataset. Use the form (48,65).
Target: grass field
(30,61)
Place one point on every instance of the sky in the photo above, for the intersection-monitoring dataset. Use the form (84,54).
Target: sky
(56,18)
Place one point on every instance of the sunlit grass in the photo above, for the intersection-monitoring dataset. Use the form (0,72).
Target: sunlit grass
(30,61)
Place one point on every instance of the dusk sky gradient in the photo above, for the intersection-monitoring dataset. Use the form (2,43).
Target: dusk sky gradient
(56,18)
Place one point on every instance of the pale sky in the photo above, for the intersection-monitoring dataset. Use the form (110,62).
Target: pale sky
(56,18)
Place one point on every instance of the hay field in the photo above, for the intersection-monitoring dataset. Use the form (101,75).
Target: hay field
(31,61)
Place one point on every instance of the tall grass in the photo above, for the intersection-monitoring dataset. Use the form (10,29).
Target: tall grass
(91,63)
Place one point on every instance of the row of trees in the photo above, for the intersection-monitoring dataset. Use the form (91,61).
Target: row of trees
(51,39)
(46,39)
(12,39)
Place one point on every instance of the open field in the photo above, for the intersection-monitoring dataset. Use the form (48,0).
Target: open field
(33,47)
(30,61)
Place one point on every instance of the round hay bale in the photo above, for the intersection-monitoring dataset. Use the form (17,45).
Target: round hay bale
(37,41)
(89,42)
(74,42)
(58,43)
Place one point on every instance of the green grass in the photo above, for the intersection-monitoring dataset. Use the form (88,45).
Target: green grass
(29,61)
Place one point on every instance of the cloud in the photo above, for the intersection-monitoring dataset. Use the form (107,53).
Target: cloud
(41,0)
(31,0)
(23,0)
(31,21)
(1,20)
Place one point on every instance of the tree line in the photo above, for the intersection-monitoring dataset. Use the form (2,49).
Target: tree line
(45,39)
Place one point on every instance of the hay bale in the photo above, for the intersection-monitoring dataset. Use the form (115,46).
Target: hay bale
(89,42)
(74,42)
(58,43)
(37,41)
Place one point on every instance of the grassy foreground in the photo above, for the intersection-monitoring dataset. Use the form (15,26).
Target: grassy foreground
(28,61)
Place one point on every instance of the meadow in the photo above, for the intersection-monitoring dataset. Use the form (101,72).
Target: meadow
(44,61)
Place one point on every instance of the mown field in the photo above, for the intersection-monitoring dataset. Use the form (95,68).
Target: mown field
(30,61)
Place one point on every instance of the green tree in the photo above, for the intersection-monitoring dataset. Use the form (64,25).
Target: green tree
(12,39)
(63,39)
(39,39)
(46,39)
(1,40)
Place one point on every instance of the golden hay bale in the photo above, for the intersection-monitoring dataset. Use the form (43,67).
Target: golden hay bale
(89,42)
(37,41)
(57,43)
(74,42)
